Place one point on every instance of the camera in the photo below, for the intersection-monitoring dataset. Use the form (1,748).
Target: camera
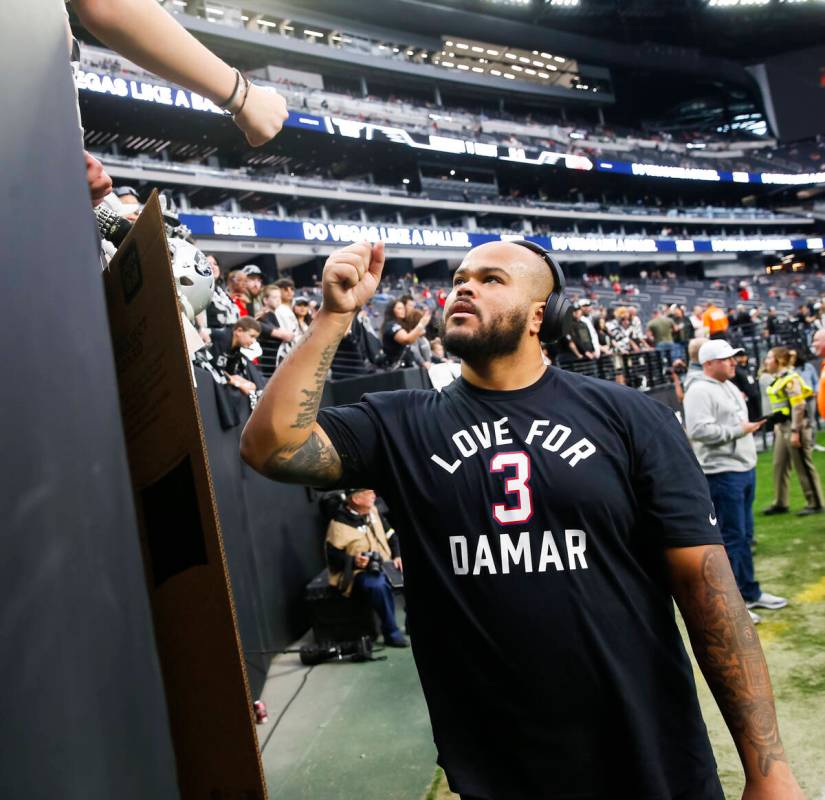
(359,650)
(375,562)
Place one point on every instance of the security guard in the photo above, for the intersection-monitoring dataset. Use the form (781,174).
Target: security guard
(793,436)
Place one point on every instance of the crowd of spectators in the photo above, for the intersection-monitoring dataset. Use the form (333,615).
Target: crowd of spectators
(607,339)
(619,205)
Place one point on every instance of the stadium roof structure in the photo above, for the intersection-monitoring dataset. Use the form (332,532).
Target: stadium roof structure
(732,29)
(662,54)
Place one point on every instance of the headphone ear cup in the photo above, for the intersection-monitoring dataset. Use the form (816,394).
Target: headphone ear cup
(558,318)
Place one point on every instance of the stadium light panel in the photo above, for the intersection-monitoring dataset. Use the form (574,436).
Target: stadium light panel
(496,72)
(509,75)
(314,34)
(736,3)
(492,52)
(463,66)
(567,3)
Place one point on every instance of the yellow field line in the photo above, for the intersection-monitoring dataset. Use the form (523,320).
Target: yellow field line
(815,593)
(769,631)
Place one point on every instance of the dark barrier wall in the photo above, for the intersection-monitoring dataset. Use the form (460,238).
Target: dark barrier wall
(273,536)
(84,715)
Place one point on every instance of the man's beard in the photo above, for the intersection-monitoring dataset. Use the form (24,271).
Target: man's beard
(499,337)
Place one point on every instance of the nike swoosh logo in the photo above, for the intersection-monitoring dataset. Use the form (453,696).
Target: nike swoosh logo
(711,519)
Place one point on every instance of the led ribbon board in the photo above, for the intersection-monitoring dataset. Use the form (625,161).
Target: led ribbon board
(343,233)
(166,95)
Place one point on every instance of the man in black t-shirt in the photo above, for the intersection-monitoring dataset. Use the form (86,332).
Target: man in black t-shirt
(548,521)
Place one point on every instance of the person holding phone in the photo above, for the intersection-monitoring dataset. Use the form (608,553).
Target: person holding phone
(716,418)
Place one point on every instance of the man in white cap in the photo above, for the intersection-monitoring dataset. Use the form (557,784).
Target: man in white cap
(717,423)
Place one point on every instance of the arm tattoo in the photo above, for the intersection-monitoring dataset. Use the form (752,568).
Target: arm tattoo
(313,463)
(312,397)
(728,650)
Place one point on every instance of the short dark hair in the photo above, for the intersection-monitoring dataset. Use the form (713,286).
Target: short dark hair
(247,324)
(285,283)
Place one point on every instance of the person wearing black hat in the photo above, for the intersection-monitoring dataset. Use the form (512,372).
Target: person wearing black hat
(358,542)
(581,336)
(549,520)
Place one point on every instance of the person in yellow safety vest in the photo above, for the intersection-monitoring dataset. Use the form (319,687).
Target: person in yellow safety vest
(793,436)
(818,346)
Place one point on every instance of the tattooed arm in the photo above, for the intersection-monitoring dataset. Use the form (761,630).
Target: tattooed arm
(728,651)
(282,440)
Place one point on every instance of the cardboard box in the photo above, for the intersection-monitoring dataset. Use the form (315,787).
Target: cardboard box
(210,707)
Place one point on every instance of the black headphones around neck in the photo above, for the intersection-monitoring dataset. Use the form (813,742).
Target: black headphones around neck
(558,311)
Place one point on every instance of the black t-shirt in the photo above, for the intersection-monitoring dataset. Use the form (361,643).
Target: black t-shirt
(534,524)
(392,349)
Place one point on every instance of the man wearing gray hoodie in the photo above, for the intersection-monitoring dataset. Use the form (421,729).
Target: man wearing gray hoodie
(716,418)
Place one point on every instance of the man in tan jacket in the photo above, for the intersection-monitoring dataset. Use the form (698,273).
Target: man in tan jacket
(356,546)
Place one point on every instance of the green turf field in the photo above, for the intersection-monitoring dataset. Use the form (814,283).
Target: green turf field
(790,561)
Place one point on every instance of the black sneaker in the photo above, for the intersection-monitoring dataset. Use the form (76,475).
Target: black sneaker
(397,640)
(808,510)
(771,510)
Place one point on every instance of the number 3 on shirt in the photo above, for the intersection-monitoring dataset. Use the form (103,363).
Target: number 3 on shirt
(515,485)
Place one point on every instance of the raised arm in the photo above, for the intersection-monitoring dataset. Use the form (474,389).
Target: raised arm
(143,32)
(282,440)
(727,648)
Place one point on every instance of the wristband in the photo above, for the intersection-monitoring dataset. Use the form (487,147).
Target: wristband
(247,84)
(233,98)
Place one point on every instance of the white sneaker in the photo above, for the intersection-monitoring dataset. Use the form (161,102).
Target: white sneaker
(770,601)
(755,618)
